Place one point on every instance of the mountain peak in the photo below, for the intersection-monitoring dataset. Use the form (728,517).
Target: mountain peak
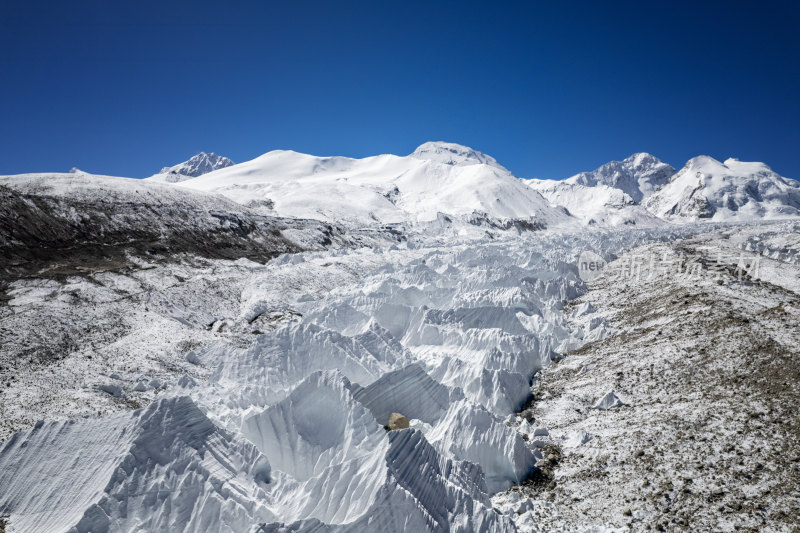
(641,159)
(453,154)
(198,165)
(702,160)
(638,175)
(706,188)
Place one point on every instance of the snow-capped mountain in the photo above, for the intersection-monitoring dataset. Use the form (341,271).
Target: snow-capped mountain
(441,181)
(638,176)
(609,195)
(598,204)
(644,190)
(197,165)
(734,190)
(437,178)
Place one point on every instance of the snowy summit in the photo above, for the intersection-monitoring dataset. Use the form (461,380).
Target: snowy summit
(453,154)
(197,165)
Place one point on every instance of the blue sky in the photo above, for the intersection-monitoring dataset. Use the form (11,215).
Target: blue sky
(547,88)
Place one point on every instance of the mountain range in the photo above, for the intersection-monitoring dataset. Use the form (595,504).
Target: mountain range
(449,179)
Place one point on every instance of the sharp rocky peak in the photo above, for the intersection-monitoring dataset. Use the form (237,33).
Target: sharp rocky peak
(198,165)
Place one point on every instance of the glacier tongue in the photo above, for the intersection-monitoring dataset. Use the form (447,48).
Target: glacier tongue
(268,387)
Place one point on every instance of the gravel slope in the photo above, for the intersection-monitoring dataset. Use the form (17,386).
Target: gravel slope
(707,367)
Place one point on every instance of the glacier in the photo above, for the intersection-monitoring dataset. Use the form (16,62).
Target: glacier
(231,360)
(449,336)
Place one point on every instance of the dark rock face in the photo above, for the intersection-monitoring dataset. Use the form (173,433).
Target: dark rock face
(521,225)
(703,207)
(67,234)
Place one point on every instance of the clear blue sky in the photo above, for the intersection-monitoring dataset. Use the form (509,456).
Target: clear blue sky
(125,88)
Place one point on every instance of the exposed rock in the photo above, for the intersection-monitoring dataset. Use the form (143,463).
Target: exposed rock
(397,421)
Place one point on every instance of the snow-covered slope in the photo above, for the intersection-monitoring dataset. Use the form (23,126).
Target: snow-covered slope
(436,178)
(638,176)
(734,190)
(197,165)
(446,185)
(598,204)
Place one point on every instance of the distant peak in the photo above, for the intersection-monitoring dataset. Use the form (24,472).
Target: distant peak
(453,154)
(198,165)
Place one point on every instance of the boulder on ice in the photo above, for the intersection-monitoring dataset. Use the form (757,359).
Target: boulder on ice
(398,421)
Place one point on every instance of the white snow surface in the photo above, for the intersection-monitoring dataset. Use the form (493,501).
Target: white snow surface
(437,178)
(642,190)
(601,205)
